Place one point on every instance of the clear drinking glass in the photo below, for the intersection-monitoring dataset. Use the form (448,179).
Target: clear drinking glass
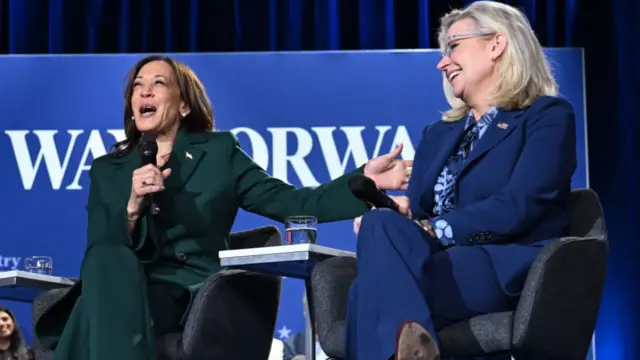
(301,230)
(38,264)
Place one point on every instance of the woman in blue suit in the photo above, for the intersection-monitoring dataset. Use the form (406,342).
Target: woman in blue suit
(490,187)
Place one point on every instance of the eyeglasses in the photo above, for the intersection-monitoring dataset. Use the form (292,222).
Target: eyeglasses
(458,37)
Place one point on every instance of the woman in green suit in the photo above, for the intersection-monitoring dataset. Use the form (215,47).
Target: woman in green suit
(141,272)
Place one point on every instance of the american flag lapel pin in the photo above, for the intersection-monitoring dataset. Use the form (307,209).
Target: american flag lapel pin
(189,156)
(503,126)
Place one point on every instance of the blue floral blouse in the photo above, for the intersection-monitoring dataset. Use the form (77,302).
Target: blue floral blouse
(444,190)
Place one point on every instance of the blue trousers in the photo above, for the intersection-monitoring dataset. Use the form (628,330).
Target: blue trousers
(404,275)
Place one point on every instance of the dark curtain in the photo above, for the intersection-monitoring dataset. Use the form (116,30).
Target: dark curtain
(606,29)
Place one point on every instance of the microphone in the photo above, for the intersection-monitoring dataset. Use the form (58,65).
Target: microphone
(366,190)
(148,149)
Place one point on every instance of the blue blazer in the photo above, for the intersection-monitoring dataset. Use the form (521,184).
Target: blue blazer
(513,192)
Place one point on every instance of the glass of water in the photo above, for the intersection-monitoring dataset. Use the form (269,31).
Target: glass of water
(39,265)
(301,230)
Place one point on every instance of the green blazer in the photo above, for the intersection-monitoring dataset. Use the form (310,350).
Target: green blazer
(211,178)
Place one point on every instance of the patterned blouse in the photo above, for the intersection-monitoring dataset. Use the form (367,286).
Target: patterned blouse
(444,190)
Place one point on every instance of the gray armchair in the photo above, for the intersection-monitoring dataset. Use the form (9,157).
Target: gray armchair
(233,315)
(556,314)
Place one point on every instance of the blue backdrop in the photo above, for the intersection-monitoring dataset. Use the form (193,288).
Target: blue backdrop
(305,117)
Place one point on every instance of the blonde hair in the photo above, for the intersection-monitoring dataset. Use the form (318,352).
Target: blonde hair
(523,70)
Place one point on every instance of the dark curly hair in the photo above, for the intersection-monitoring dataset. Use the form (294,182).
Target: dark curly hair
(18,350)
(192,92)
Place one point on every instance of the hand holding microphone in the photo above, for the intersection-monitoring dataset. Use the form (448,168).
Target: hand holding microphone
(146,180)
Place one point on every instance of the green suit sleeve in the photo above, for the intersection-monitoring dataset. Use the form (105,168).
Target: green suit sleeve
(107,222)
(268,196)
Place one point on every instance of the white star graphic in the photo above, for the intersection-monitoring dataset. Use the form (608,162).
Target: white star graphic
(284,332)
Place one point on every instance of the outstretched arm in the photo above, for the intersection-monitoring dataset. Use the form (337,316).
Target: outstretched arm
(260,193)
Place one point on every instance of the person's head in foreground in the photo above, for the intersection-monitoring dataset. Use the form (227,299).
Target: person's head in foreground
(494,188)
(163,95)
(491,57)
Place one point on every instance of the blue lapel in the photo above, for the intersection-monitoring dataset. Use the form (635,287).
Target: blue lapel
(501,126)
(451,135)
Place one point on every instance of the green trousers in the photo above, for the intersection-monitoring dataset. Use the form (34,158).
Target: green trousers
(117,314)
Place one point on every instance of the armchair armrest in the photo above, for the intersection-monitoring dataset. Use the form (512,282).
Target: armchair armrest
(41,304)
(330,282)
(232,308)
(45,300)
(253,238)
(558,309)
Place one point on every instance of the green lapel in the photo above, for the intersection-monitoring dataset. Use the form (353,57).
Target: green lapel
(185,158)
(127,163)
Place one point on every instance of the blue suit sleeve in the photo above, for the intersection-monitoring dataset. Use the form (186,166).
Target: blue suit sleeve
(545,168)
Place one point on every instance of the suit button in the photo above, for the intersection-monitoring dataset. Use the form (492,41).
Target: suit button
(182,256)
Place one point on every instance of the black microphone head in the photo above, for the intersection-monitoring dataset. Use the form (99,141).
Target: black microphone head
(363,187)
(148,148)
